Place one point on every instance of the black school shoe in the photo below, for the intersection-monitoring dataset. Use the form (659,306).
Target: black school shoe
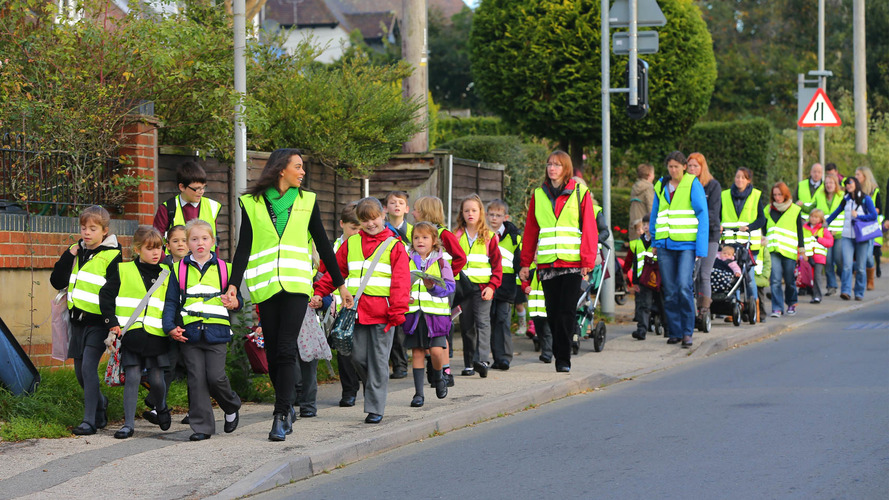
(347,401)
(416,402)
(84,429)
(500,365)
(198,436)
(123,433)
(481,368)
(279,427)
(164,420)
(230,427)
(373,418)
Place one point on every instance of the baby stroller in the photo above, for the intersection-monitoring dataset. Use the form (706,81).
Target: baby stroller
(738,301)
(586,306)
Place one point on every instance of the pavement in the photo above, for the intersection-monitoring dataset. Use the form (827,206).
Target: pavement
(156,464)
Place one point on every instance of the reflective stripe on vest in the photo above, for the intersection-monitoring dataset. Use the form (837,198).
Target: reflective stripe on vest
(811,242)
(381,280)
(760,261)
(536,302)
(732,222)
(84,283)
(199,307)
(835,227)
(132,291)
(478,264)
(782,236)
(676,220)
(560,237)
(421,299)
(279,262)
(808,199)
(639,250)
(444,253)
(507,252)
(878,241)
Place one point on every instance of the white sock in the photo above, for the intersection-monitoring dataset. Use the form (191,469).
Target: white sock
(154,411)
(230,417)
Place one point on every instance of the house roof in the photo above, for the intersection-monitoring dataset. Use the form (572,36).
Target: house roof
(308,13)
(447,7)
(373,25)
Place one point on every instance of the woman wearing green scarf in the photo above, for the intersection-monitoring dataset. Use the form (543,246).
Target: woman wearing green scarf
(279,222)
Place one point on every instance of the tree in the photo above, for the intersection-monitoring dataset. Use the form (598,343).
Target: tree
(537,64)
(450,74)
(761,46)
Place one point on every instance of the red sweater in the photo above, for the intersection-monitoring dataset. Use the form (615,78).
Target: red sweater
(376,310)
(452,245)
(589,239)
(494,256)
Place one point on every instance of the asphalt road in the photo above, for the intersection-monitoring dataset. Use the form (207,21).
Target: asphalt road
(804,415)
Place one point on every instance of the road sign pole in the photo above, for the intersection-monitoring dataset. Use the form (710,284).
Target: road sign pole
(634,47)
(822,80)
(801,85)
(607,302)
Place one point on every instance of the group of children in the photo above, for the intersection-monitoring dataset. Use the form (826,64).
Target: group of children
(167,306)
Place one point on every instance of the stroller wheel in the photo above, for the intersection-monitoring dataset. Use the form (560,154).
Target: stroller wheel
(620,299)
(706,323)
(736,314)
(599,337)
(575,347)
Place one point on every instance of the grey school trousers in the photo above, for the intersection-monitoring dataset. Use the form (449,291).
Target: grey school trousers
(206,379)
(370,357)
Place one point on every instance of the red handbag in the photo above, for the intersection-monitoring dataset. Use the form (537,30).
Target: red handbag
(650,277)
(254,347)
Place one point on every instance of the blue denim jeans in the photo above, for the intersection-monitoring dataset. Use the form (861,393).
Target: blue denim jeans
(857,253)
(834,263)
(677,272)
(782,268)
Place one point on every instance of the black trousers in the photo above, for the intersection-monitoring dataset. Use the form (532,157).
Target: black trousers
(398,356)
(282,317)
(348,376)
(560,295)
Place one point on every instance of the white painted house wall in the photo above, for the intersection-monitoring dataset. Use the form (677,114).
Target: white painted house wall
(332,40)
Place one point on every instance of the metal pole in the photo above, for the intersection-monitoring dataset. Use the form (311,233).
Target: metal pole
(608,285)
(801,84)
(822,80)
(240,27)
(450,187)
(860,76)
(634,52)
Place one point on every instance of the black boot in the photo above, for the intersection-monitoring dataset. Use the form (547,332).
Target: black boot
(279,427)
(440,384)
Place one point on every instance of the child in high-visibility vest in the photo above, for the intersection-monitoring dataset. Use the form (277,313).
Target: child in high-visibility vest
(84,268)
(145,344)
(640,248)
(381,307)
(349,381)
(431,209)
(177,245)
(428,321)
(396,211)
(818,239)
(509,240)
(196,314)
(484,270)
(190,203)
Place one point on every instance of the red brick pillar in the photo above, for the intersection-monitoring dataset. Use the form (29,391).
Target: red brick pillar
(140,145)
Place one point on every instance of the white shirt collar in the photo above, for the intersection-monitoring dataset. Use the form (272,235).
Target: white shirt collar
(183,202)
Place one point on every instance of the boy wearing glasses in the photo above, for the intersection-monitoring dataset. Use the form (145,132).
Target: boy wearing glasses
(190,203)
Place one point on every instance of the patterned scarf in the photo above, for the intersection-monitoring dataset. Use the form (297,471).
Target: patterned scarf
(281,205)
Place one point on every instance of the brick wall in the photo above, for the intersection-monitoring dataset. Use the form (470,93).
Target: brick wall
(31,245)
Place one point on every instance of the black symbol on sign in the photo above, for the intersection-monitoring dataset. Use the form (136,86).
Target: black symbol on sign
(819,112)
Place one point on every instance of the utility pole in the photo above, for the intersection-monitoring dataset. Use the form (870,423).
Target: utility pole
(239,12)
(860,76)
(822,80)
(607,298)
(414,87)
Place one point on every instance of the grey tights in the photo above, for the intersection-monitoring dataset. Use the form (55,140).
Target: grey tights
(86,369)
(157,393)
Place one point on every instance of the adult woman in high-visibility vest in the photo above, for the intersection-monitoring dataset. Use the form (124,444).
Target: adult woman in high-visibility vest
(807,189)
(784,232)
(679,229)
(828,200)
(869,187)
(560,229)
(743,219)
(274,256)
(856,206)
(697,166)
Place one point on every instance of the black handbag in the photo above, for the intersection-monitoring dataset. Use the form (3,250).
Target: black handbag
(463,288)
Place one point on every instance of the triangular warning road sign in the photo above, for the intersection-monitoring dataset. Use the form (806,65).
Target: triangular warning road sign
(819,112)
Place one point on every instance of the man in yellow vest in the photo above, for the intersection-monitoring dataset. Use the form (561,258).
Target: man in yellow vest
(806,190)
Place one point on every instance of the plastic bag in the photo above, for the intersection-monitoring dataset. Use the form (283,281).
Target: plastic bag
(114,375)
(311,341)
(61,325)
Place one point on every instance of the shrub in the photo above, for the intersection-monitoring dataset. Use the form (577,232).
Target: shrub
(732,144)
(453,128)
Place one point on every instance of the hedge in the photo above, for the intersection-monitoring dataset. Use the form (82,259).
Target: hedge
(454,128)
(732,144)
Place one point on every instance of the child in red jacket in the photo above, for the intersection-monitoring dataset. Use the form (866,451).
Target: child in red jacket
(818,239)
(382,305)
